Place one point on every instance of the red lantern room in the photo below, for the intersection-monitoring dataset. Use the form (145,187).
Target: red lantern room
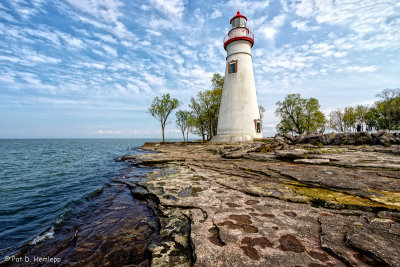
(239,30)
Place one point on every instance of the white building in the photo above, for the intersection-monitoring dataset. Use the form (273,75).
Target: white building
(239,117)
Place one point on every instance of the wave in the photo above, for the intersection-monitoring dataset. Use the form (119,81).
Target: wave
(44,236)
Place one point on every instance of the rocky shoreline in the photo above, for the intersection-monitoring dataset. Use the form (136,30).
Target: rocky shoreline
(274,202)
(384,138)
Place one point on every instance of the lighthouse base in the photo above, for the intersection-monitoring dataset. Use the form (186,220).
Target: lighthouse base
(231,138)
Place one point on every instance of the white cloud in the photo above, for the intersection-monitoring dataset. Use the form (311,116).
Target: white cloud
(105,132)
(269,32)
(145,7)
(10,58)
(46,34)
(43,59)
(106,10)
(155,33)
(305,8)
(154,79)
(30,78)
(302,26)
(106,14)
(94,65)
(72,41)
(126,43)
(7,78)
(132,88)
(362,69)
(120,66)
(248,8)
(216,14)
(24,10)
(110,50)
(173,8)
(106,38)
(273,27)
(30,58)
(6,16)
(143,86)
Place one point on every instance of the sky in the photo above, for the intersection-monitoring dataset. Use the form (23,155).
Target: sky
(91,68)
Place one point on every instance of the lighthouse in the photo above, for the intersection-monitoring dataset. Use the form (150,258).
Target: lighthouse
(239,117)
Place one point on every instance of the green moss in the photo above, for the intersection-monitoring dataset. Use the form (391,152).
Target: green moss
(266,149)
(329,198)
(336,151)
(387,197)
(196,190)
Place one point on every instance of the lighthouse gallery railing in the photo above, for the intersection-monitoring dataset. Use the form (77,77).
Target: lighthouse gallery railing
(237,34)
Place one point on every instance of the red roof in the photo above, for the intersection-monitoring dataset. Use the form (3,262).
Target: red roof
(238,15)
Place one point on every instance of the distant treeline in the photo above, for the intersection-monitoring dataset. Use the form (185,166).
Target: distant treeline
(299,115)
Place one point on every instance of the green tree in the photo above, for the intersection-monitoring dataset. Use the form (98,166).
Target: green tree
(182,122)
(388,109)
(198,121)
(350,118)
(361,111)
(217,81)
(205,109)
(372,120)
(162,108)
(385,113)
(261,110)
(336,120)
(314,119)
(299,115)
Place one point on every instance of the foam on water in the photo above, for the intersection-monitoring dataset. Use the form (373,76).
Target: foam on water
(47,235)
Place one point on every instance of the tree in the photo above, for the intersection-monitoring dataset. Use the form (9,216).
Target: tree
(182,119)
(372,120)
(205,109)
(217,81)
(314,119)
(198,120)
(385,113)
(388,109)
(261,110)
(162,108)
(350,118)
(336,120)
(299,115)
(361,111)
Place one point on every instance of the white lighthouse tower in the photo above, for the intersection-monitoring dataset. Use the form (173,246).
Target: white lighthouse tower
(239,117)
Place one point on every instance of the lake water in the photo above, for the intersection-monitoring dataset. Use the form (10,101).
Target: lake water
(43,180)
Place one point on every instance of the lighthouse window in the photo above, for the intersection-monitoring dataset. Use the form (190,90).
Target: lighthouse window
(232,67)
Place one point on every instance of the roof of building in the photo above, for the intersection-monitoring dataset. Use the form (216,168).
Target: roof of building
(238,15)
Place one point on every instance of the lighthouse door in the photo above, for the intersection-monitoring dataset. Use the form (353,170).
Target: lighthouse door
(258,126)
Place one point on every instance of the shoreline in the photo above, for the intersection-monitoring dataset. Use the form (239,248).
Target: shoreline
(101,225)
(259,204)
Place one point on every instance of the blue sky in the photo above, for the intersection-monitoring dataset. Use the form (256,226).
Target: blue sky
(90,68)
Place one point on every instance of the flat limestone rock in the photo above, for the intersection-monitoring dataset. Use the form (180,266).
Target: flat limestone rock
(259,209)
(260,156)
(332,238)
(312,161)
(291,154)
(380,238)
